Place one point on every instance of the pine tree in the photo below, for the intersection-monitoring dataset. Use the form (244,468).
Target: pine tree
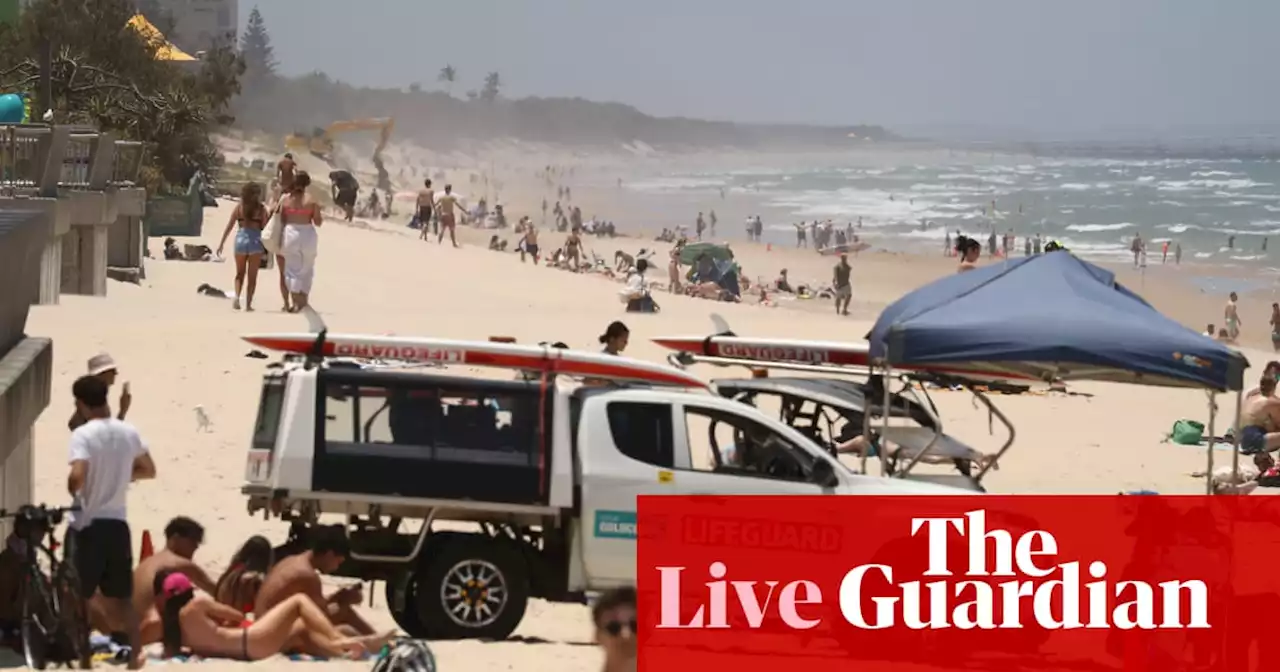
(255,47)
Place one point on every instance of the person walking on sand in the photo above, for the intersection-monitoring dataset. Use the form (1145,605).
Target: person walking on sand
(1275,327)
(426,209)
(1231,313)
(102,366)
(251,216)
(529,244)
(673,267)
(444,210)
(699,226)
(843,285)
(286,171)
(106,455)
(1136,248)
(1177,254)
(711,223)
(301,217)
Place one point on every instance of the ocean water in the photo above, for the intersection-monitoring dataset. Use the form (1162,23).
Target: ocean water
(1093,206)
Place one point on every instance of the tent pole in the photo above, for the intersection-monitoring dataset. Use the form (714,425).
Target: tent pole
(1235,439)
(886,410)
(1208,470)
(866,423)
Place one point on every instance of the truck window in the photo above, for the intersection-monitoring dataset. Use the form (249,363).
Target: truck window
(432,423)
(267,426)
(726,443)
(643,432)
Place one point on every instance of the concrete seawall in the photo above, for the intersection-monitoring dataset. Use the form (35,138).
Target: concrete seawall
(65,192)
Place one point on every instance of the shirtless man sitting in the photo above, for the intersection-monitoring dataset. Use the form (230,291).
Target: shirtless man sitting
(300,575)
(182,536)
(1259,419)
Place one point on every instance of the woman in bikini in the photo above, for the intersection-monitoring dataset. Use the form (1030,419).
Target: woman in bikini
(195,622)
(573,249)
(251,216)
(300,216)
(238,586)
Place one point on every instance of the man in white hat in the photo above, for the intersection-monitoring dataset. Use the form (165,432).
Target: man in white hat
(104,367)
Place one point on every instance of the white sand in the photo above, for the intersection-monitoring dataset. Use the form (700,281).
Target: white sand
(179,350)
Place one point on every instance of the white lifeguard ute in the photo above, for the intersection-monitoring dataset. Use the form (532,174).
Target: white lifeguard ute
(468,496)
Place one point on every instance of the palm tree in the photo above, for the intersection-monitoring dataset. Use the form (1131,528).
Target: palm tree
(492,87)
(448,75)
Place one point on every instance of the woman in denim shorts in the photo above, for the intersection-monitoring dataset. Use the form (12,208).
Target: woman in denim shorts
(251,216)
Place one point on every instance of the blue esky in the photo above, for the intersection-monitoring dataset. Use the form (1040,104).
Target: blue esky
(1065,66)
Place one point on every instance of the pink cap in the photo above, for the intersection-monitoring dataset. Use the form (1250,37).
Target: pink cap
(176,584)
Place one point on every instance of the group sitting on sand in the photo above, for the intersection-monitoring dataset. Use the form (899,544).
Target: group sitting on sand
(265,602)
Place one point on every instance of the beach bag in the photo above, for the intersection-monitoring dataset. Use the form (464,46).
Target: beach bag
(407,655)
(273,233)
(1187,433)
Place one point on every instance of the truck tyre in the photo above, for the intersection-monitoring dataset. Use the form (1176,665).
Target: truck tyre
(402,602)
(471,587)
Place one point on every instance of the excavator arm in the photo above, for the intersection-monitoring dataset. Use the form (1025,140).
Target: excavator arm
(320,141)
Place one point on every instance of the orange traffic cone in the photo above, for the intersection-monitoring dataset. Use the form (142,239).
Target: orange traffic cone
(148,549)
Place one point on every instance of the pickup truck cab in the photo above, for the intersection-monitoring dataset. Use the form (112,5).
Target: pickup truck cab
(470,496)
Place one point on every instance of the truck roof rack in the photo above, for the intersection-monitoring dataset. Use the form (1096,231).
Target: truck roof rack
(546,358)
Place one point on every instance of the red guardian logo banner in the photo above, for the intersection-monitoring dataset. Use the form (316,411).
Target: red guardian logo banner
(991,583)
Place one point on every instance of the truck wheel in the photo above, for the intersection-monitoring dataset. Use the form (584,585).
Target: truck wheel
(471,587)
(402,602)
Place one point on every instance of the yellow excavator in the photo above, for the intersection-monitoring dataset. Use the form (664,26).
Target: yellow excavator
(320,140)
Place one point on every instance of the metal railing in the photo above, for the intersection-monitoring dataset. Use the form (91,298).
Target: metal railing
(40,159)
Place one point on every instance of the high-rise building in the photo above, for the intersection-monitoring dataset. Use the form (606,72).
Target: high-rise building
(200,24)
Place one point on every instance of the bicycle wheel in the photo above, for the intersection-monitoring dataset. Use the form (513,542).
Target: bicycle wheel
(39,620)
(73,618)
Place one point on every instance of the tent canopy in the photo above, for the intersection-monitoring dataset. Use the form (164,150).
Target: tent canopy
(165,51)
(1050,316)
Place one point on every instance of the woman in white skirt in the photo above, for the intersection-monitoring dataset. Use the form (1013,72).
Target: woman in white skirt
(300,216)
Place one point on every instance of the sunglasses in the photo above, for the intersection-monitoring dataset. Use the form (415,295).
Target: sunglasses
(615,628)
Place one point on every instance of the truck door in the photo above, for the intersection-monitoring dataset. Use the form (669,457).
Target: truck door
(731,452)
(625,449)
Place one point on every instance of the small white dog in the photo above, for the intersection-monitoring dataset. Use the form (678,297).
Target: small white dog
(203,423)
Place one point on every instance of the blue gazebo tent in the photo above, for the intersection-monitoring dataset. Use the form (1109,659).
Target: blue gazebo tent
(1051,316)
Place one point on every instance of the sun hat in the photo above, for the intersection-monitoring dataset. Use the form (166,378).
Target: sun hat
(101,363)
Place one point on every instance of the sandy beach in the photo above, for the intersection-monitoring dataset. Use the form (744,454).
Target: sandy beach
(179,349)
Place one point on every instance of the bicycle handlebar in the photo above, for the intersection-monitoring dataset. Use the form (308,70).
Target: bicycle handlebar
(37,513)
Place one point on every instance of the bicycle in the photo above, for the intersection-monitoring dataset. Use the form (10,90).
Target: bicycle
(55,620)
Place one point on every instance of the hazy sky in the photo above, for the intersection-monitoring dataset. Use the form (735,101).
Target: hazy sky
(1047,65)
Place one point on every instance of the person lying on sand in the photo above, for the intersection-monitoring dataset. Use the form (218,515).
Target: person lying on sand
(300,575)
(182,537)
(196,623)
(1259,419)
